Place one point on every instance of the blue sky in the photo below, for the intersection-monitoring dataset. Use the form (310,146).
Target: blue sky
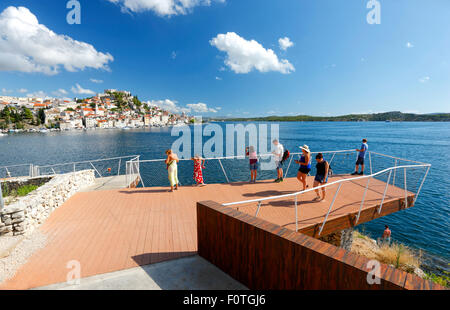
(338,63)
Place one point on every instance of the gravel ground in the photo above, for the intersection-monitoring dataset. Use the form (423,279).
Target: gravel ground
(20,254)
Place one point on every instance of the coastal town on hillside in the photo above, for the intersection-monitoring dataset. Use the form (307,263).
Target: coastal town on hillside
(111,109)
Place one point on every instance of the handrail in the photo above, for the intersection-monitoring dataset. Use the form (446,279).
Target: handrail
(323,186)
(398,158)
(244,157)
(88,161)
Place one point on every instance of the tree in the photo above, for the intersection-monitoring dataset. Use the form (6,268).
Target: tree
(26,113)
(41,115)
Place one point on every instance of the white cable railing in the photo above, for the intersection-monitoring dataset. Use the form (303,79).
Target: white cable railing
(340,183)
(102,167)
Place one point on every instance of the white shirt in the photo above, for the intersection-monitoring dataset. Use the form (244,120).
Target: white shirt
(278,152)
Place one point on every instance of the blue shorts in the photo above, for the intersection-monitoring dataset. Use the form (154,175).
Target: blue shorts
(254,166)
(304,170)
(360,161)
(320,178)
(279,165)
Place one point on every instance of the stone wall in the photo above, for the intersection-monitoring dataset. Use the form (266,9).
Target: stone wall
(342,239)
(13,185)
(30,211)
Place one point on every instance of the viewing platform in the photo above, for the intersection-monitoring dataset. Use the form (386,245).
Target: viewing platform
(118,229)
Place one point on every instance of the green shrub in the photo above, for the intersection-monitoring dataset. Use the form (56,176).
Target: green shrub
(25,190)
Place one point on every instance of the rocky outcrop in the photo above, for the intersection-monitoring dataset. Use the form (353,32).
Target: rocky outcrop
(24,215)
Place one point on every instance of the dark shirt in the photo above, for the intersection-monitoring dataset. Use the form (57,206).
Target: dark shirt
(321,167)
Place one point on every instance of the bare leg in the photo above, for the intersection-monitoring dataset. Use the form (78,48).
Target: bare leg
(303,180)
(317,191)
(362,168)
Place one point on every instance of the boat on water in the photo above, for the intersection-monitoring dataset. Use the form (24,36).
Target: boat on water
(43,130)
(126,128)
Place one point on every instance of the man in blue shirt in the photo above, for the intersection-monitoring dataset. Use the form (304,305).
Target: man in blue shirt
(361,156)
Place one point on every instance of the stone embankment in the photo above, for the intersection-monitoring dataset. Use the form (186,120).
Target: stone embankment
(28,212)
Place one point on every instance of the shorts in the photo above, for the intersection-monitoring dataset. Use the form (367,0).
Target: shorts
(279,165)
(254,166)
(360,161)
(304,170)
(320,178)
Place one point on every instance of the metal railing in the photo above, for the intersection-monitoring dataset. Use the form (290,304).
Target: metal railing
(102,167)
(222,167)
(16,171)
(391,172)
(133,171)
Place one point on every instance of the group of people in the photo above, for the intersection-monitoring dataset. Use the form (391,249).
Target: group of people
(323,169)
(172,161)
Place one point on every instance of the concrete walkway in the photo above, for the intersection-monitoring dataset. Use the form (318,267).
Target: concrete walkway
(112,182)
(190,273)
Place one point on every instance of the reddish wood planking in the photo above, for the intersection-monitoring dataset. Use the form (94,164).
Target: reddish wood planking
(113,230)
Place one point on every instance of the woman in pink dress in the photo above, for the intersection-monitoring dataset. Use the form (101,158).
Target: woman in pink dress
(199,165)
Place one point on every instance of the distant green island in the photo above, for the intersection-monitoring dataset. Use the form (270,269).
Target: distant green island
(376,117)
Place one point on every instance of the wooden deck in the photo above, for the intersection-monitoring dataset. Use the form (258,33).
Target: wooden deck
(118,229)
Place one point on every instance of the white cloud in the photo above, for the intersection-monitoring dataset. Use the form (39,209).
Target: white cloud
(285,43)
(172,106)
(60,93)
(424,79)
(244,56)
(409,45)
(22,90)
(200,108)
(37,94)
(96,81)
(6,91)
(218,78)
(173,55)
(162,7)
(81,91)
(27,46)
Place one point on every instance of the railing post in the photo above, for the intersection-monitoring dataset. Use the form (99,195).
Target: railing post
(331,206)
(385,192)
(257,210)
(370,162)
(118,170)
(296,214)
(362,201)
(287,170)
(95,169)
(226,177)
(332,157)
(421,184)
(406,190)
(2,203)
(74,169)
(395,172)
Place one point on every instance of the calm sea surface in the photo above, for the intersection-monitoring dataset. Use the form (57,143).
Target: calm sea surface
(426,226)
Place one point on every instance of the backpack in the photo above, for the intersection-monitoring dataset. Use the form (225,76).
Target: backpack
(286,155)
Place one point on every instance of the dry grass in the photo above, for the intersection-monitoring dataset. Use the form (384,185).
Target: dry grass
(395,254)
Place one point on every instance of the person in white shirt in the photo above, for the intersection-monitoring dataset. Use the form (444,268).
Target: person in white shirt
(278,154)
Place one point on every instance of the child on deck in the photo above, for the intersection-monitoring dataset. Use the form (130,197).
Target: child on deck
(322,169)
(199,165)
(251,153)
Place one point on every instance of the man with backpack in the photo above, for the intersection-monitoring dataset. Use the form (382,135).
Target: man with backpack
(280,156)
